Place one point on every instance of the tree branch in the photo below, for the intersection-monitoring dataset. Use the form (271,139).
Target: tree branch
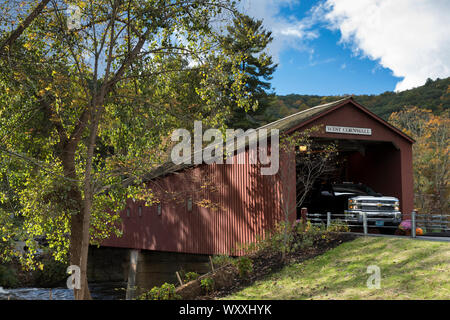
(25,24)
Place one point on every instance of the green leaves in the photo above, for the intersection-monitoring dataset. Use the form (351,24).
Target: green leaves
(131,74)
(247,41)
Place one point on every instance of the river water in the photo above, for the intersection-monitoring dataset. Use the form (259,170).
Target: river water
(99,291)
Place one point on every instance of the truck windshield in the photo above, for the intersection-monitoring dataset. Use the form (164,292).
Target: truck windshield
(354,188)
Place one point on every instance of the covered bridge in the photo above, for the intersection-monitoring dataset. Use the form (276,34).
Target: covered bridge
(241,204)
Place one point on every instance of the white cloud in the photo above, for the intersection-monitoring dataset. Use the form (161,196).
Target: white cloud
(287,31)
(410,37)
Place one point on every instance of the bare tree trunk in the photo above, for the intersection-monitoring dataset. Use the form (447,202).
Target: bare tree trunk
(76,224)
(84,293)
(76,255)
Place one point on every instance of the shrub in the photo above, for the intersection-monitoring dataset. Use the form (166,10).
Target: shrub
(279,239)
(338,226)
(52,274)
(221,260)
(287,238)
(8,277)
(207,284)
(191,276)
(311,233)
(244,266)
(165,292)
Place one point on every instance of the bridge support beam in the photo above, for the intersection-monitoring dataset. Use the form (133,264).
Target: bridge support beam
(132,271)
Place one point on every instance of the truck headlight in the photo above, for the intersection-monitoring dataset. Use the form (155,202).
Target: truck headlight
(396,206)
(353,204)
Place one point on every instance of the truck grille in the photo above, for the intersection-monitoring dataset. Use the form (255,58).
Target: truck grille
(378,206)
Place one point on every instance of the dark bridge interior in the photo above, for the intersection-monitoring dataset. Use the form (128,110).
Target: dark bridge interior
(376,164)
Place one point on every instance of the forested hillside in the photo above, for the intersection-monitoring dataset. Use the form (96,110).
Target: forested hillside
(434,95)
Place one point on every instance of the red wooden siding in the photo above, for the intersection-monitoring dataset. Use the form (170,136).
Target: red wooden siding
(250,206)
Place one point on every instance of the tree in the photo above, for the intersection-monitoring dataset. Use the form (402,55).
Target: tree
(86,111)
(248,37)
(431,164)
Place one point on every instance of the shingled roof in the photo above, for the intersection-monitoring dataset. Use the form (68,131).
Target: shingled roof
(282,125)
(302,116)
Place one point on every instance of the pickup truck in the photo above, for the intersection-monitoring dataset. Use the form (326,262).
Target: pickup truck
(348,202)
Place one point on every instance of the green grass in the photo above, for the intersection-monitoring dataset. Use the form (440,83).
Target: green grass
(410,269)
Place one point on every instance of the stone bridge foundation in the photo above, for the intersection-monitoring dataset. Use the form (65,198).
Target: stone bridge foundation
(141,270)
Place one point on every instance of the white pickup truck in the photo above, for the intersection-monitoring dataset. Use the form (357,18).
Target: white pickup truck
(350,201)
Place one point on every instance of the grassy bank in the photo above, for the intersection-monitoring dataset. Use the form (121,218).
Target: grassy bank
(410,269)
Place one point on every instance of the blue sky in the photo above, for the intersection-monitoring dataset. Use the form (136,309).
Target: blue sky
(334,47)
(333,70)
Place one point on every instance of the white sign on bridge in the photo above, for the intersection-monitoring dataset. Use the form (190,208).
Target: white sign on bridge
(349,130)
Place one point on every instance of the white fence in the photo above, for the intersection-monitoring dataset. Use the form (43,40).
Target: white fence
(433,222)
(429,223)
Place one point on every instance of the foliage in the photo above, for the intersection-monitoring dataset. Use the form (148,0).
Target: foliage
(280,239)
(166,292)
(87,112)
(8,277)
(431,163)
(434,95)
(287,238)
(244,266)
(189,276)
(221,260)
(52,274)
(248,36)
(308,235)
(338,226)
(207,284)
